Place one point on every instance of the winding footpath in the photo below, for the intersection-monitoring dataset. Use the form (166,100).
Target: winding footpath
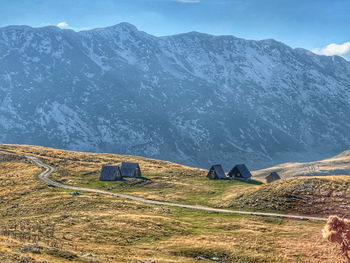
(48,170)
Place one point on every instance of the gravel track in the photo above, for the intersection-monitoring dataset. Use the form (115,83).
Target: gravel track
(48,170)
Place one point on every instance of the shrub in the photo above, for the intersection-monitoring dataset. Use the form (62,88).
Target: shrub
(337,230)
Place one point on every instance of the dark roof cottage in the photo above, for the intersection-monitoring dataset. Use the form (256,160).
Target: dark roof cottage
(110,173)
(216,172)
(240,171)
(131,170)
(272,177)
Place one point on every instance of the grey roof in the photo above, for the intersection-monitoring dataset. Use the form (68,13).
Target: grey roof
(273,176)
(131,170)
(110,173)
(219,172)
(240,171)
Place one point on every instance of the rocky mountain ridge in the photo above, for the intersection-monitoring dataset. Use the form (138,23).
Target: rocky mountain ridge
(191,98)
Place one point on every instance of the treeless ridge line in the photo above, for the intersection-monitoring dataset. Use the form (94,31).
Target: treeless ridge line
(48,170)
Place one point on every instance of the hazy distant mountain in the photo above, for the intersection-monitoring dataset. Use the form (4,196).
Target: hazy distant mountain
(191,98)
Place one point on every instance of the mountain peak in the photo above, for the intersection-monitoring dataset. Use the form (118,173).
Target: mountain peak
(17,27)
(124,26)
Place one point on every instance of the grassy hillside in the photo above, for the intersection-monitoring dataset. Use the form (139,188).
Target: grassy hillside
(166,181)
(322,196)
(338,165)
(97,228)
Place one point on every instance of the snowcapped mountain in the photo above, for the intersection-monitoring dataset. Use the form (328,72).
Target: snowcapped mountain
(191,98)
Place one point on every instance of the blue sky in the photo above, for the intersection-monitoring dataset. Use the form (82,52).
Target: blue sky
(319,25)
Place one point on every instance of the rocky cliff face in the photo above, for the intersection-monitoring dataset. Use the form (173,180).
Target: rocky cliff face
(191,98)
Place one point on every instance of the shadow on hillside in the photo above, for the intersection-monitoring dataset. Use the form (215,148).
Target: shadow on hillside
(248,181)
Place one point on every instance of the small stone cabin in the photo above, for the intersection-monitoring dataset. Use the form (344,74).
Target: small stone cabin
(110,173)
(272,177)
(216,172)
(240,171)
(130,170)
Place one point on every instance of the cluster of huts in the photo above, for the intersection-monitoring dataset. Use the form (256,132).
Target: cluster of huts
(116,173)
(238,172)
(133,170)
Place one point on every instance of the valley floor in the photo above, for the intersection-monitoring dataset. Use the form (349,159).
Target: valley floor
(97,228)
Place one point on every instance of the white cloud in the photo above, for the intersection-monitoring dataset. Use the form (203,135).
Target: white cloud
(334,49)
(187,1)
(63,25)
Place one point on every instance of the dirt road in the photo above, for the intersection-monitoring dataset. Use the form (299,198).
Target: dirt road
(44,177)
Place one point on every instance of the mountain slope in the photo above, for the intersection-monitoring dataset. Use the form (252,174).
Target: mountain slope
(337,165)
(190,98)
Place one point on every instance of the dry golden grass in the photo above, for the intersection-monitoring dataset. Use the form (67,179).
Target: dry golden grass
(169,181)
(338,165)
(321,196)
(67,228)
